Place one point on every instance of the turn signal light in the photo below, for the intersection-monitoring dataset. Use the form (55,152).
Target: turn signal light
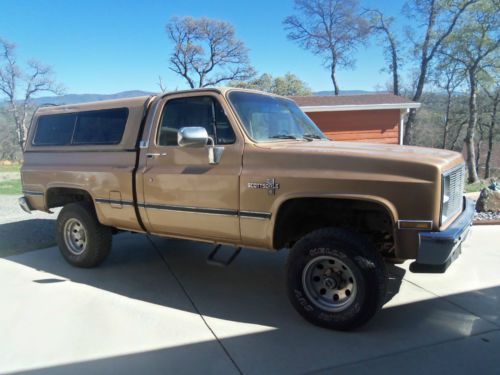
(415,224)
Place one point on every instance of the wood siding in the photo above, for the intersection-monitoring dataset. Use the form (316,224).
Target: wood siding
(377,126)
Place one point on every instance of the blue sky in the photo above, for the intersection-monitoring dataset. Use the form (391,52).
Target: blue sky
(108,46)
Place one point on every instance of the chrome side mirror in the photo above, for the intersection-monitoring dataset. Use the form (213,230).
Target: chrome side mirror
(197,136)
(192,136)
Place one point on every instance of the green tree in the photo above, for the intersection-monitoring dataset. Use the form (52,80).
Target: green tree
(287,85)
(449,76)
(475,46)
(9,147)
(263,82)
(438,19)
(491,88)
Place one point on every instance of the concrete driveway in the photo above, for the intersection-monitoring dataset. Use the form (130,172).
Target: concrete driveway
(155,306)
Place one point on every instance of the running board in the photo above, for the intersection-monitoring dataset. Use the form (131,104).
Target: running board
(221,263)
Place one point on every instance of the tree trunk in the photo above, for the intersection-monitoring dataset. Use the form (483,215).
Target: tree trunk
(408,136)
(469,138)
(18,123)
(446,120)
(478,153)
(454,146)
(408,131)
(491,133)
(334,79)
(395,78)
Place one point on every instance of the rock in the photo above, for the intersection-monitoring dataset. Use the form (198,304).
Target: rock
(489,201)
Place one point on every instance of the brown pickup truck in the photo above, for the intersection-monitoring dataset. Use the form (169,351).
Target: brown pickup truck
(247,169)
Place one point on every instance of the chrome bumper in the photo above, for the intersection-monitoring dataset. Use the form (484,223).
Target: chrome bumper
(437,250)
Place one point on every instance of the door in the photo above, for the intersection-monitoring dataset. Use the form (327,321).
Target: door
(184,195)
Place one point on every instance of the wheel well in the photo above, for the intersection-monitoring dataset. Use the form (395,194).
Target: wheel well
(297,217)
(59,196)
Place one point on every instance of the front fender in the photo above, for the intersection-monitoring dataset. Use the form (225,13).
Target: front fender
(281,200)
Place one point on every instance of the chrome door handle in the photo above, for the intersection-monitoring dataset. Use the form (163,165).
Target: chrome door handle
(155,154)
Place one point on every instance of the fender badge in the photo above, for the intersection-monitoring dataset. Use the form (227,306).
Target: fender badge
(270,185)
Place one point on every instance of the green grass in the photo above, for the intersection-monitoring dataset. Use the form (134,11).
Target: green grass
(11,187)
(476,186)
(10,168)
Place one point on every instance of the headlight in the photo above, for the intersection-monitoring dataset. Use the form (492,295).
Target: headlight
(453,182)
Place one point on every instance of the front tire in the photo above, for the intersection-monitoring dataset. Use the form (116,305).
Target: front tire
(336,278)
(82,240)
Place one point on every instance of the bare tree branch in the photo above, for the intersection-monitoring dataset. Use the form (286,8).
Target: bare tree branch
(206,52)
(475,44)
(161,85)
(440,19)
(332,29)
(382,25)
(20,87)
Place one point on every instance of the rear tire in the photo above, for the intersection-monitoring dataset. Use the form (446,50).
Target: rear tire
(336,278)
(82,240)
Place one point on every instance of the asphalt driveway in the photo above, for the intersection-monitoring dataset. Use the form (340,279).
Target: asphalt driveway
(155,306)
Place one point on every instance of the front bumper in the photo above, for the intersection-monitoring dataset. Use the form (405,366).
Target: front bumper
(437,250)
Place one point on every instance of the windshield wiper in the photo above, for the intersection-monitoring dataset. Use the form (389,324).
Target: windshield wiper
(310,137)
(283,136)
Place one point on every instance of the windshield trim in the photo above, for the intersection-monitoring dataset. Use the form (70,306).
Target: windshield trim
(245,130)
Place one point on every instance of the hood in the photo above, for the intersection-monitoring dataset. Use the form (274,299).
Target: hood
(442,159)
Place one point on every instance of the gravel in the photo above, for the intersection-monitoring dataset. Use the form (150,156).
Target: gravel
(11,212)
(20,231)
(487,216)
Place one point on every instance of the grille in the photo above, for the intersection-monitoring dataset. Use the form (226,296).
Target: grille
(453,188)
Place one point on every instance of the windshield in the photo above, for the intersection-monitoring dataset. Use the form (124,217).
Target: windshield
(267,118)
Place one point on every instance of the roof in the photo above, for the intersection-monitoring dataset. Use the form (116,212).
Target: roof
(137,101)
(353,102)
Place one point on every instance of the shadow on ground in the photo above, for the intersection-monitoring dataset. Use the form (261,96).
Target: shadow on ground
(252,291)
(476,356)
(26,235)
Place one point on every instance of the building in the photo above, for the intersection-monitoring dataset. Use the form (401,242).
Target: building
(375,118)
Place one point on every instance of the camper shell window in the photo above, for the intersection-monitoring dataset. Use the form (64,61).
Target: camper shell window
(102,127)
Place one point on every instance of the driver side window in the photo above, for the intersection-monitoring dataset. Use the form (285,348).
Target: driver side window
(202,111)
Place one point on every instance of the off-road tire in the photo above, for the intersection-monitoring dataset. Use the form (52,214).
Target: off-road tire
(98,237)
(361,259)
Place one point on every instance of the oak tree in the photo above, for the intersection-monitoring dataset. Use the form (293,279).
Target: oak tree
(331,29)
(437,19)
(382,26)
(476,47)
(287,85)
(206,52)
(19,86)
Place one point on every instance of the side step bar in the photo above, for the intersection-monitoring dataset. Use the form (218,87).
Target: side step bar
(221,263)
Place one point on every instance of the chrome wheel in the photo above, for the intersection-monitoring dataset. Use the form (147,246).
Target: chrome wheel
(329,283)
(75,236)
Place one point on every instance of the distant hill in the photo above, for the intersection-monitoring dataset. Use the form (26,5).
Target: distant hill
(84,98)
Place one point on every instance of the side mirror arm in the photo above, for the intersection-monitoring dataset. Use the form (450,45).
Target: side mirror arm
(214,152)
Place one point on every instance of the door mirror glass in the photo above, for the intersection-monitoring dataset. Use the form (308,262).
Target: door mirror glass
(192,136)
